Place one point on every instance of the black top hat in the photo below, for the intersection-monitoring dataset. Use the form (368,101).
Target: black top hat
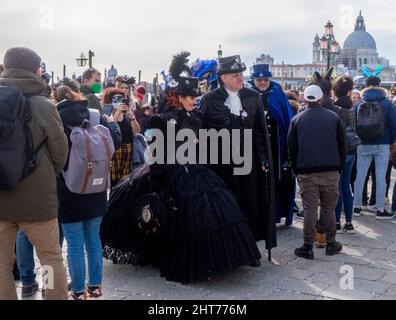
(185,86)
(183,83)
(231,64)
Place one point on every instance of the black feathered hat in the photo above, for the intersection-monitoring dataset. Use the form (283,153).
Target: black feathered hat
(182,83)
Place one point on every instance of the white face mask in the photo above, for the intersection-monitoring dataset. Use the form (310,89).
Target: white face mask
(116,105)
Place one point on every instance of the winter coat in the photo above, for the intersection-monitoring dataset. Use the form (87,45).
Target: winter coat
(254,192)
(346,111)
(378,94)
(81,207)
(317,141)
(35,198)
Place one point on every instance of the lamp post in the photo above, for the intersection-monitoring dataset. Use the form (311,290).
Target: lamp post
(328,45)
(82,60)
(90,56)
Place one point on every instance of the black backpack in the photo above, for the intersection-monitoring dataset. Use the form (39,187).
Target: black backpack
(18,159)
(370,122)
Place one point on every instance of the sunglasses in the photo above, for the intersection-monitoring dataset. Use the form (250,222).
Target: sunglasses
(117,98)
(262,79)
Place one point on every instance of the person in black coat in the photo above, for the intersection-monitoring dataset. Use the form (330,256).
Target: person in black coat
(207,233)
(80,215)
(229,107)
(278,116)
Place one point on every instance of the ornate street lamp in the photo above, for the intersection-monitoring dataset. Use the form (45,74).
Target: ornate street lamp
(82,61)
(334,47)
(329,47)
(329,29)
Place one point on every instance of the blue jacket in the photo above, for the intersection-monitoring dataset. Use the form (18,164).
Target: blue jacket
(377,94)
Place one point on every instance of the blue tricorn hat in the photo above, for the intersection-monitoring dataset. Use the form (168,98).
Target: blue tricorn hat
(261,71)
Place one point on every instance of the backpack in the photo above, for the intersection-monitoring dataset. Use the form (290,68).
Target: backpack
(18,158)
(370,122)
(90,157)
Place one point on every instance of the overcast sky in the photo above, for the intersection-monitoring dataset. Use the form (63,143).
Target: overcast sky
(144,34)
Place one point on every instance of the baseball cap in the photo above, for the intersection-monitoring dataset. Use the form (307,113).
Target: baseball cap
(313,93)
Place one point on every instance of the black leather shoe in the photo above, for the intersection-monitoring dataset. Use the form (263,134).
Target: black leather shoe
(255,264)
(305,252)
(333,248)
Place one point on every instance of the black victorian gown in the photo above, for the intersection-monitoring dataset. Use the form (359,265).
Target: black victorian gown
(204,234)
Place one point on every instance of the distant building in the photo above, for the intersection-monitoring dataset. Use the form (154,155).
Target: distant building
(295,76)
(111,75)
(359,51)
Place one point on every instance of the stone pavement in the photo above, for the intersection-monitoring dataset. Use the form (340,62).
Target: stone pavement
(371,252)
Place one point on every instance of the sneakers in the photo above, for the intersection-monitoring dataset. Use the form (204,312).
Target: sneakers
(384,215)
(333,248)
(338,227)
(320,240)
(96,292)
(371,209)
(348,228)
(300,215)
(305,252)
(29,291)
(357,212)
(78,296)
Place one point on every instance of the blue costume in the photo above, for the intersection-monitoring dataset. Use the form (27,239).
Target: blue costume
(278,115)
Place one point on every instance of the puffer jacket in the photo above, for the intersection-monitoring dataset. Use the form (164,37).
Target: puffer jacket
(378,94)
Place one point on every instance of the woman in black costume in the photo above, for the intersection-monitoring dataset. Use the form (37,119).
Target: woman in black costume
(188,223)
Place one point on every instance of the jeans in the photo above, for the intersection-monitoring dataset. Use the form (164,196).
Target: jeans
(79,235)
(25,257)
(346,197)
(365,154)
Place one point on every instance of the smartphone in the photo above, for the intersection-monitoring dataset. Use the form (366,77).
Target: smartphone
(108,109)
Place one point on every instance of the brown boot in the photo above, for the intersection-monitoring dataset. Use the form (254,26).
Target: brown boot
(320,240)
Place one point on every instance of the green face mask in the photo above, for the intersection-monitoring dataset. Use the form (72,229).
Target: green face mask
(96,88)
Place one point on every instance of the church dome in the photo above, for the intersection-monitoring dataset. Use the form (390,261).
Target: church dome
(360,38)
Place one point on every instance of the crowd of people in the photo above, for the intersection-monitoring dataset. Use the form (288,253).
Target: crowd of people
(73,168)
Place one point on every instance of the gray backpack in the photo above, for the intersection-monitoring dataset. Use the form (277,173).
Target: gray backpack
(90,157)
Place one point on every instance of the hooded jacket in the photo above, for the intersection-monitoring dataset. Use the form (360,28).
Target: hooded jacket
(378,94)
(35,198)
(81,207)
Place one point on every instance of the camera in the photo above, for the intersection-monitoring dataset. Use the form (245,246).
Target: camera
(127,101)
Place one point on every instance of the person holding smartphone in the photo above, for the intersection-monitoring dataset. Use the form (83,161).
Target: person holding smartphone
(125,117)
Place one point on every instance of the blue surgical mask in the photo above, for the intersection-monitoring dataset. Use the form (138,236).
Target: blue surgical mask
(117,105)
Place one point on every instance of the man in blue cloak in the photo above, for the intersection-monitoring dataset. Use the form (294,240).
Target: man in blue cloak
(278,115)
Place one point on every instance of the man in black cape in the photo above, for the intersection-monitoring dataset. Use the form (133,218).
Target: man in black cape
(231,106)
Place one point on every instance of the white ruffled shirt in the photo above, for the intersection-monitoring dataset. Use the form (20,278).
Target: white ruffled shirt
(234,103)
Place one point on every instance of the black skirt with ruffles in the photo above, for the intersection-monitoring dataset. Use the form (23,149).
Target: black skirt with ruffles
(201,233)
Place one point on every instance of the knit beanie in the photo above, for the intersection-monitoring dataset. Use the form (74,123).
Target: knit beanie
(22,58)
